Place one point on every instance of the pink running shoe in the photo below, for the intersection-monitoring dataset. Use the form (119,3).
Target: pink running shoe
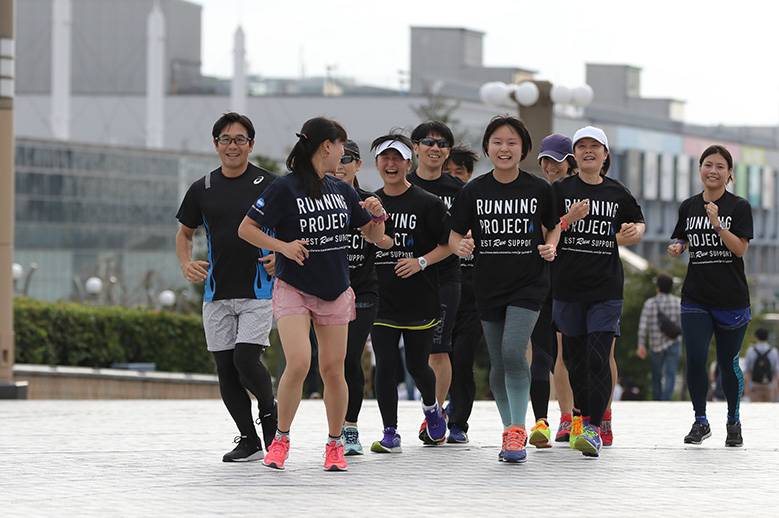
(277,452)
(606,434)
(334,456)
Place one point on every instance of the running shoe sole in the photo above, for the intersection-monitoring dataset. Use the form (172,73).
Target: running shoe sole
(539,440)
(377,447)
(692,441)
(586,447)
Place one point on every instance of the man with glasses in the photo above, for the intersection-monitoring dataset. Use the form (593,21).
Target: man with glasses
(237,312)
(432,142)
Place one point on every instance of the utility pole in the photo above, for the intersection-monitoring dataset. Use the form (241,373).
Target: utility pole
(8,389)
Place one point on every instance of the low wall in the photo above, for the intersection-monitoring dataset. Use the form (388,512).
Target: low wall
(59,382)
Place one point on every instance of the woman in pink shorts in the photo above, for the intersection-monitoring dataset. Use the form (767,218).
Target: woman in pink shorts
(311,214)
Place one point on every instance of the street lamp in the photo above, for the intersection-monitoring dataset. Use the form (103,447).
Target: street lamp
(166,298)
(17,272)
(94,286)
(535,100)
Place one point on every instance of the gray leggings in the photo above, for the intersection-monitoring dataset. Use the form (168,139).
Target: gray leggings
(509,373)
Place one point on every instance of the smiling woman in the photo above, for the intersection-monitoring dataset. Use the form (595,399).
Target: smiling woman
(409,303)
(588,283)
(511,215)
(717,226)
(311,213)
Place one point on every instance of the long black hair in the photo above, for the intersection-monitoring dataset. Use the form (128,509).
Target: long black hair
(312,134)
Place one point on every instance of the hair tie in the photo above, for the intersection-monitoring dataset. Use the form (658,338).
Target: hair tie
(302,135)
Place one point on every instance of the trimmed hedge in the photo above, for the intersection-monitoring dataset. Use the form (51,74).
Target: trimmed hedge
(97,336)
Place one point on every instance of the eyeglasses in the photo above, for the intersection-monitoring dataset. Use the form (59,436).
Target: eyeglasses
(430,142)
(239,140)
(348,159)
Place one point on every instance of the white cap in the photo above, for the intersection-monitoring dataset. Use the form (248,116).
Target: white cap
(593,133)
(403,149)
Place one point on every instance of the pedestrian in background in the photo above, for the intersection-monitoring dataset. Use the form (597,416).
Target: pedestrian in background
(660,323)
(762,369)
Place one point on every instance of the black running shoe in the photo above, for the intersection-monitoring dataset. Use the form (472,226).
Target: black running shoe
(268,420)
(249,448)
(698,433)
(734,435)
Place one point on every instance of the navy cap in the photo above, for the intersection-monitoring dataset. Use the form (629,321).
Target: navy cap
(556,146)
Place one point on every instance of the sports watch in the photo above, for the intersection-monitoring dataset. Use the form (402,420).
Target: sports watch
(422,262)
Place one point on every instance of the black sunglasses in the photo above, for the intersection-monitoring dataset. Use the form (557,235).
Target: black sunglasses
(430,142)
(348,159)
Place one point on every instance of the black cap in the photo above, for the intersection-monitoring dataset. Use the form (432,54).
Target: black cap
(351,147)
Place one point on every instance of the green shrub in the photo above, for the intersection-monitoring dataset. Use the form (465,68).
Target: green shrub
(97,336)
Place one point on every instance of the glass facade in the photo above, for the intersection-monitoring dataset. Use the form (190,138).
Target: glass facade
(84,210)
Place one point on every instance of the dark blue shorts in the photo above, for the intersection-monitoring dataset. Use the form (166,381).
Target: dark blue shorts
(581,318)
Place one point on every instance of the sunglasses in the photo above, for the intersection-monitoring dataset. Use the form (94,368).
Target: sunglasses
(348,159)
(430,142)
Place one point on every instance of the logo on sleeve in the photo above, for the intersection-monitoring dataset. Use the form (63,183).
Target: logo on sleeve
(260,203)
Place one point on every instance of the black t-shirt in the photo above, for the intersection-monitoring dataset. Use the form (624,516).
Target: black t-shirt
(446,187)
(506,222)
(362,255)
(587,266)
(715,276)
(416,223)
(219,203)
(324,223)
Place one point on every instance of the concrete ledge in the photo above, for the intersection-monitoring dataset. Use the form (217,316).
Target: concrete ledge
(15,390)
(62,382)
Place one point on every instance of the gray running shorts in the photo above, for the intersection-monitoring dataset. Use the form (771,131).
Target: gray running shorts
(232,321)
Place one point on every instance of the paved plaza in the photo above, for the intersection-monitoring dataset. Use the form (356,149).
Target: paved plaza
(162,458)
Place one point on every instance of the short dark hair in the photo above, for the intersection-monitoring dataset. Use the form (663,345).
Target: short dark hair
(394,134)
(312,134)
(664,283)
(231,118)
(508,120)
(430,127)
(761,333)
(463,157)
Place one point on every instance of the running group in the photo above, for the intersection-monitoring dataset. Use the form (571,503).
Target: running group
(430,262)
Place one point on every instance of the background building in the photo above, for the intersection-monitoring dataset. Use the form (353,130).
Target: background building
(123,204)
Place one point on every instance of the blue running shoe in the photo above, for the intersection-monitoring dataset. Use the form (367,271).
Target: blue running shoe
(433,430)
(352,444)
(589,442)
(516,440)
(457,435)
(389,444)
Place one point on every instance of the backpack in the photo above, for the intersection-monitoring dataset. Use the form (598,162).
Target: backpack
(761,372)
(669,328)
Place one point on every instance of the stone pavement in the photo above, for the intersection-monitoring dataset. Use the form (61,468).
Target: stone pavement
(162,458)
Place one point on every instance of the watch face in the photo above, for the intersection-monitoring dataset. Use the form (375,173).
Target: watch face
(423,262)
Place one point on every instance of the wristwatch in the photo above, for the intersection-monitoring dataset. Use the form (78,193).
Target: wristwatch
(717,229)
(422,262)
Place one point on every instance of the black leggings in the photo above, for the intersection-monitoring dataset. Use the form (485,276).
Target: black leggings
(465,341)
(240,369)
(544,341)
(587,359)
(359,329)
(385,346)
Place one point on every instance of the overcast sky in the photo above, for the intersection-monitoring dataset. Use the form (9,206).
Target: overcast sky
(718,56)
